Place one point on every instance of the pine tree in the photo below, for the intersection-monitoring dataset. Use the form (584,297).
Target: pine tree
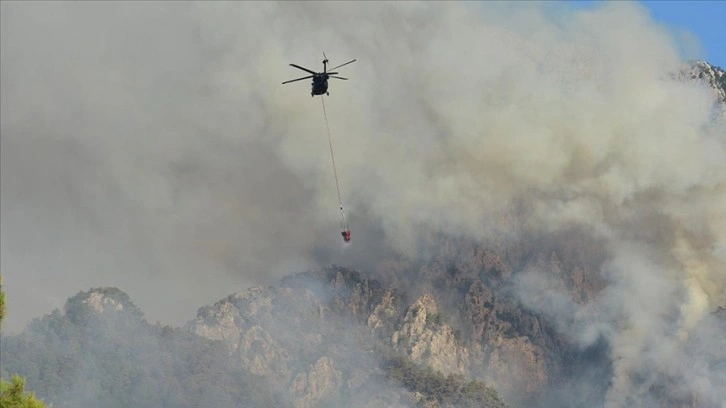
(12,393)
(2,302)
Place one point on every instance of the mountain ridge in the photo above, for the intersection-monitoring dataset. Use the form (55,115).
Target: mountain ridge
(712,75)
(260,329)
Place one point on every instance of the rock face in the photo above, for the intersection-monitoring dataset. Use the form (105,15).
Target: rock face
(425,338)
(100,301)
(225,316)
(502,335)
(105,306)
(321,334)
(711,75)
(384,313)
(320,381)
(246,323)
(314,334)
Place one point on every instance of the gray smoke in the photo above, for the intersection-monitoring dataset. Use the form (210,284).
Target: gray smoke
(152,147)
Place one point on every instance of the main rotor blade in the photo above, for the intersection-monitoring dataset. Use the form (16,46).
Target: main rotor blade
(343,64)
(299,79)
(304,69)
(337,77)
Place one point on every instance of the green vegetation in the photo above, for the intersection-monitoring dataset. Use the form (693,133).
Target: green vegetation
(434,318)
(12,393)
(451,390)
(2,302)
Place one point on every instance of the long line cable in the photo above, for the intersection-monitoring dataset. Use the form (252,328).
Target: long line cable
(332,155)
(343,221)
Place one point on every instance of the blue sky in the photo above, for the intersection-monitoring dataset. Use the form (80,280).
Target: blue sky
(706,20)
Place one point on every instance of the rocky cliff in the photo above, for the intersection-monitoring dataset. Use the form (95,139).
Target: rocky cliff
(327,334)
(326,330)
(710,75)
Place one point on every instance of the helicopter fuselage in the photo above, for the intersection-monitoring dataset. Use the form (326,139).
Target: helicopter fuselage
(319,85)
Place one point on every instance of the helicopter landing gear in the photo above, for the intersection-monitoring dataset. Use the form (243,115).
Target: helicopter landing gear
(327,93)
(312,94)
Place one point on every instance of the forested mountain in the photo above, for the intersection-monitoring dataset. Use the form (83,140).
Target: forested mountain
(100,352)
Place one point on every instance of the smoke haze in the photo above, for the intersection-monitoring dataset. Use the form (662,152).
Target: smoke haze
(150,146)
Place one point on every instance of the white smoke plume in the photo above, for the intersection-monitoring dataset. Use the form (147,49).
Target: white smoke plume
(151,146)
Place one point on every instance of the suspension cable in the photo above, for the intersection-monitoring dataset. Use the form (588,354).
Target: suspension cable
(343,221)
(332,156)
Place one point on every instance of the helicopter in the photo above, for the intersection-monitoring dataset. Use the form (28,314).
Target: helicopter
(320,79)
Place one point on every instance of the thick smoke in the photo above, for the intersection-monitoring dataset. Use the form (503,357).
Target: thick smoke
(152,147)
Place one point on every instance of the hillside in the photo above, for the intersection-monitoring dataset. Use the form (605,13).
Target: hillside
(710,75)
(100,352)
(322,338)
(289,347)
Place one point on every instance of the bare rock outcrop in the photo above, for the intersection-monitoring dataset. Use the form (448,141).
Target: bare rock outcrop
(516,365)
(261,354)
(218,323)
(317,383)
(425,338)
(384,312)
